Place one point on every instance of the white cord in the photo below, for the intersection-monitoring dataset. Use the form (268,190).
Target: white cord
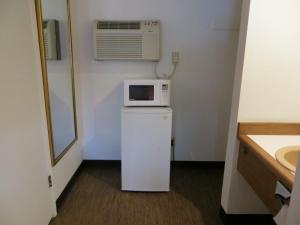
(165,76)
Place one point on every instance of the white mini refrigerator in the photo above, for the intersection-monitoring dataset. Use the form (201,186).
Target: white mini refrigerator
(146,148)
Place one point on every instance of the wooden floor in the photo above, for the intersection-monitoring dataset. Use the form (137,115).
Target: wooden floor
(95,199)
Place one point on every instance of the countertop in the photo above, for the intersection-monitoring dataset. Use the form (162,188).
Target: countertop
(271,143)
(262,140)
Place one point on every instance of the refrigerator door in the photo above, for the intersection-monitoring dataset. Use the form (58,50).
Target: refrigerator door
(146,149)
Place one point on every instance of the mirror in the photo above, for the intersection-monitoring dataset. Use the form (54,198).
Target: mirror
(54,29)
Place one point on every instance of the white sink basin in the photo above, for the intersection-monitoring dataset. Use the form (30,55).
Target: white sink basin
(288,157)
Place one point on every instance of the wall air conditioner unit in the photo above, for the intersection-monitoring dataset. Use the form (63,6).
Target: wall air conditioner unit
(51,39)
(127,40)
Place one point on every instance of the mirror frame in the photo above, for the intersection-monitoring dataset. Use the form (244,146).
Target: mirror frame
(39,19)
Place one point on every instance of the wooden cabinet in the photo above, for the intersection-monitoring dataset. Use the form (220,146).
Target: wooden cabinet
(259,176)
(258,167)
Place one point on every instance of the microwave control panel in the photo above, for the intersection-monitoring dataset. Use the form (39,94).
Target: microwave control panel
(165,94)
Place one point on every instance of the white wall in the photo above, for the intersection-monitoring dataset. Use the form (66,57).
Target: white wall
(24,162)
(269,74)
(201,30)
(63,171)
(67,166)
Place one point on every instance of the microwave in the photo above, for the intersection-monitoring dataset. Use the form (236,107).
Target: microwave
(146,93)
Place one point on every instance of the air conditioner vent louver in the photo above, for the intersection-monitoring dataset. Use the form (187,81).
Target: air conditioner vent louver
(126,40)
(118,25)
(119,46)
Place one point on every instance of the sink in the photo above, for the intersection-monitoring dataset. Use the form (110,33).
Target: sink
(288,157)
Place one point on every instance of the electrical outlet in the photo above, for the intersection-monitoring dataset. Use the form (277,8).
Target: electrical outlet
(175,57)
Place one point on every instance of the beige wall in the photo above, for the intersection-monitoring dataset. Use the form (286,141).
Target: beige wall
(270,84)
(266,85)
(24,162)
(25,156)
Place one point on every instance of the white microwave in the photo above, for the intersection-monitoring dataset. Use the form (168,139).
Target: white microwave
(146,93)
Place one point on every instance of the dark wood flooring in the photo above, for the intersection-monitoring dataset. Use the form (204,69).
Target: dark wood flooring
(95,199)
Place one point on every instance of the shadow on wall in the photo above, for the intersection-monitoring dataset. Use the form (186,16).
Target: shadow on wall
(107,123)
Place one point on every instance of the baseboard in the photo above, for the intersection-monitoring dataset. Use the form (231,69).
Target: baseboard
(68,187)
(88,162)
(203,164)
(246,219)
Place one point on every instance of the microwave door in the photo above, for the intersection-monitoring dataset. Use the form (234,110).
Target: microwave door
(142,95)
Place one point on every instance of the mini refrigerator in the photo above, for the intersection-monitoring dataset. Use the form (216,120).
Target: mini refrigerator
(146,148)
